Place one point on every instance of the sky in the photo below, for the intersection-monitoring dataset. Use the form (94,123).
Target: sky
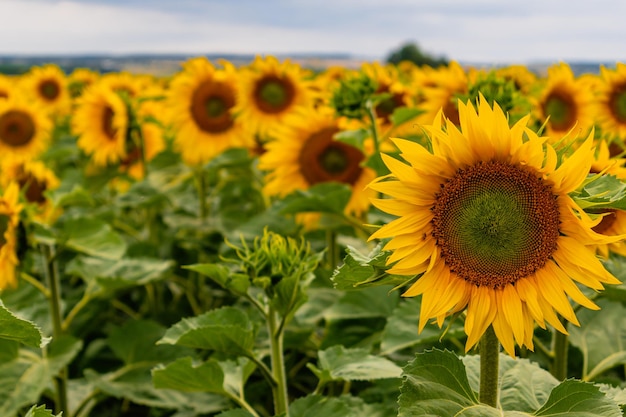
(478,31)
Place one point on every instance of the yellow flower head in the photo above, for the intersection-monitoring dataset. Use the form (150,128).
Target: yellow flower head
(47,85)
(269,91)
(200,108)
(24,129)
(486,222)
(9,220)
(611,101)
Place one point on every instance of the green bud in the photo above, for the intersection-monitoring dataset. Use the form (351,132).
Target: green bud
(350,98)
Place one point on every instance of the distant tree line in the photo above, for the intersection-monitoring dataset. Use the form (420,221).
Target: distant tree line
(411,52)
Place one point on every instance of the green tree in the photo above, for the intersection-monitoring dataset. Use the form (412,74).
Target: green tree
(412,52)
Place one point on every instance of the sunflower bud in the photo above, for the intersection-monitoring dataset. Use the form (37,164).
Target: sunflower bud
(350,98)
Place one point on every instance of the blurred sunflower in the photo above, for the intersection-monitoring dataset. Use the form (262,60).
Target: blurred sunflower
(269,91)
(564,103)
(153,141)
(7,86)
(611,101)
(101,122)
(80,79)
(446,83)
(486,222)
(33,179)
(523,78)
(24,129)
(613,222)
(9,220)
(387,81)
(200,106)
(305,153)
(123,82)
(48,86)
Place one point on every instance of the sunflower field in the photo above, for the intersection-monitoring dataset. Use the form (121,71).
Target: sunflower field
(268,240)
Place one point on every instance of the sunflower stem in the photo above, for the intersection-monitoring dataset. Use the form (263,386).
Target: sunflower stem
(281,399)
(560,348)
(201,186)
(372,116)
(54,286)
(489,363)
(332,249)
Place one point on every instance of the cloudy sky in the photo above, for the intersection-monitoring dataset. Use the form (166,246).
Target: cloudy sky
(494,31)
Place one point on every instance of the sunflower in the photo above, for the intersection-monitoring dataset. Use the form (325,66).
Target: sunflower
(564,103)
(440,92)
(613,222)
(24,129)
(305,153)
(9,220)
(101,122)
(611,101)
(523,78)
(33,179)
(48,86)
(200,106)
(80,79)
(269,91)
(124,83)
(387,80)
(7,86)
(486,222)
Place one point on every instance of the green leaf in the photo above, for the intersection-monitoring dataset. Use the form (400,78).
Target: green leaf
(236,283)
(325,197)
(141,347)
(601,337)
(76,197)
(20,330)
(235,413)
(22,383)
(183,375)
(41,411)
(367,303)
(602,191)
(360,271)
(227,330)
(141,194)
(137,386)
(93,237)
(342,364)
(435,383)
(288,295)
(404,114)
(111,274)
(579,399)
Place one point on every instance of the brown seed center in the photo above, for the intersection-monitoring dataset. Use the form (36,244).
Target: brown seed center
(16,128)
(210,106)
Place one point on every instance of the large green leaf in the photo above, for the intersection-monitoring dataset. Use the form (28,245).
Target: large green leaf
(24,382)
(184,375)
(367,303)
(579,399)
(342,364)
(404,114)
(344,406)
(601,337)
(602,191)
(20,330)
(93,237)
(227,330)
(436,383)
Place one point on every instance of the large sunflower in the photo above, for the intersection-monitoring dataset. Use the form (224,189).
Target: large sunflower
(200,104)
(47,85)
(564,103)
(271,90)
(9,220)
(486,222)
(24,129)
(305,154)
(611,101)
(101,122)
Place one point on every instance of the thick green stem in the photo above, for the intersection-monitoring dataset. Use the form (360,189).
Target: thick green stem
(560,348)
(281,399)
(371,113)
(489,363)
(54,286)
(332,249)
(201,186)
